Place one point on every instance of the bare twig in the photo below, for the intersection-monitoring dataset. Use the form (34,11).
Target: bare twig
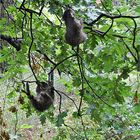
(46,57)
(22,4)
(40,12)
(134,38)
(56,65)
(81,70)
(29,51)
(58,92)
(96,93)
(59,20)
(22,7)
(74,131)
(16,123)
(80,65)
(109,27)
(104,6)
(130,50)
(7,12)
(22,26)
(109,16)
(67,97)
(25,81)
(101,33)
(60,103)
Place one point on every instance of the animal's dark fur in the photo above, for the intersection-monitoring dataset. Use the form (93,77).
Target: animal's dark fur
(74,29)
(44,98)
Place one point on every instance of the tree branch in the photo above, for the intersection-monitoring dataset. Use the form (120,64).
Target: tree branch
(134,38)
(22,7)
(109,27)
(30,47)
(15,42)
(109,16)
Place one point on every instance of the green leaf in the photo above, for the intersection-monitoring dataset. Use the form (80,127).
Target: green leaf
(11,94)
(43,118)
(137,9)
(60,118)
(75,114)
(137,108)
(25,126)
(136,132)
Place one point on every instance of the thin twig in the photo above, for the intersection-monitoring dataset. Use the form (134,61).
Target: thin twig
(60,103)
(109,16)
(16,123)
(29,51)
(22,7)
(22,26)
(112,21)
(22,4)
(96,93)
(58,92)
(74,131)
(134,38)
(104,6)
(130,50)
(46,57)
(56,65)
(81,69)
(80,65)
(67,97)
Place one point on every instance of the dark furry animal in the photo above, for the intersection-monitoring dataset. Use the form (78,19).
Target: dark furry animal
(44,98)
(74,29)
(16,43)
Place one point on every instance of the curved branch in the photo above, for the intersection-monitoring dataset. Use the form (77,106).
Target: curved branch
(56,65)
(30,47)
(134,39)
(96,95)
(67,97)
(22,7)
(135,58)
(109,16)
(109,28)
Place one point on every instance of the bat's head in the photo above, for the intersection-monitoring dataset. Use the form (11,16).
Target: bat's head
(69,13)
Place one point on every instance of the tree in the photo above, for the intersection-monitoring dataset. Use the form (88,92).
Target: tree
(98,73)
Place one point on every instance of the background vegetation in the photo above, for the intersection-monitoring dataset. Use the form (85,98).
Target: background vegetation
(99,102)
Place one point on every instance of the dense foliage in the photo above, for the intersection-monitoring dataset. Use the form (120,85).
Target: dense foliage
(100,99)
